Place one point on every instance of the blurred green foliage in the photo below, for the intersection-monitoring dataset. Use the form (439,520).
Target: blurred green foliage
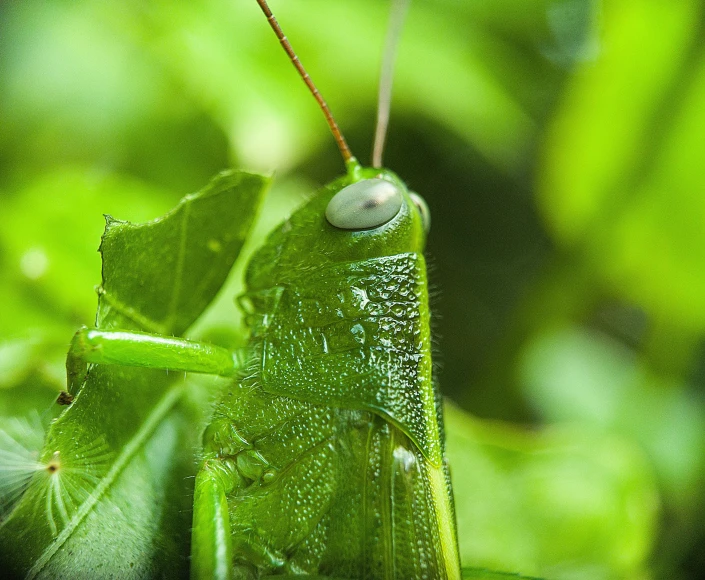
(559,146)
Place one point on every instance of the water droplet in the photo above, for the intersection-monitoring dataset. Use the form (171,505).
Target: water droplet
(358,332)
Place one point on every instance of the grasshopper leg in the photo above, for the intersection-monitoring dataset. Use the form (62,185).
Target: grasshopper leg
(141,349)
(211,547)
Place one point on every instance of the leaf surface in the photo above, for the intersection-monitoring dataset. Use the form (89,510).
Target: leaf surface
(560,503)
(481,574)
(621,184)
(108,493)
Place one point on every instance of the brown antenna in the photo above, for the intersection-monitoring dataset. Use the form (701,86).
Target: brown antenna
(284,41)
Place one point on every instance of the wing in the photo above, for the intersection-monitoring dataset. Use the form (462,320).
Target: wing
(330,491)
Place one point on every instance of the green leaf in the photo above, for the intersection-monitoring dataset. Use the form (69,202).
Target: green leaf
(582,376)
(49,265)
(109,486)
(481,574)
(32,373)
(621,184)
(187,255)
(210,45)
(562,503)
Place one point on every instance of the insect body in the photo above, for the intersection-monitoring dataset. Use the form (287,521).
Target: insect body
(327,457)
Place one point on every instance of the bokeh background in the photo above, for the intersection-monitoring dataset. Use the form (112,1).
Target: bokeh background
(560,146)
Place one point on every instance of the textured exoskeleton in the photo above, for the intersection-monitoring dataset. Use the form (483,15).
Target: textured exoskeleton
(326,455)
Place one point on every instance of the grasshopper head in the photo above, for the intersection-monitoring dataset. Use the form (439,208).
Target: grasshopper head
(368,213)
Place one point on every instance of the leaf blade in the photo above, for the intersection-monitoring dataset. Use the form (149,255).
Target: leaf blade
(175,279)
(93,458)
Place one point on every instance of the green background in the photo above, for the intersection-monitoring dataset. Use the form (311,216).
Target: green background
(559,145)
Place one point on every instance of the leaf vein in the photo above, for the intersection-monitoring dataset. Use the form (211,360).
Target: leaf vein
(132,447)
(145,323)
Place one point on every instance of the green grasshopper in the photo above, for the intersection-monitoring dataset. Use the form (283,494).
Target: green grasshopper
(325,456)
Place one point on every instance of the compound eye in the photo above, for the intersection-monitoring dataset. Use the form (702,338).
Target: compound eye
(364,205)
(420,204)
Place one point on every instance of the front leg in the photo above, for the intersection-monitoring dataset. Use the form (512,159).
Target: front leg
(140,349)
(217,554)
(211,542)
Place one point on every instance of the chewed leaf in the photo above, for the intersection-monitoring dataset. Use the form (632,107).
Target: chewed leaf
(161,275)
(110,486)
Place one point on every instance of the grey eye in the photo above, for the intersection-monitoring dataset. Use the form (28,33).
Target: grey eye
(420,204)
(364,205)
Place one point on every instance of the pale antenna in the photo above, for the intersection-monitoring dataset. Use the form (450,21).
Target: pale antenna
(337,134)
(384,101)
